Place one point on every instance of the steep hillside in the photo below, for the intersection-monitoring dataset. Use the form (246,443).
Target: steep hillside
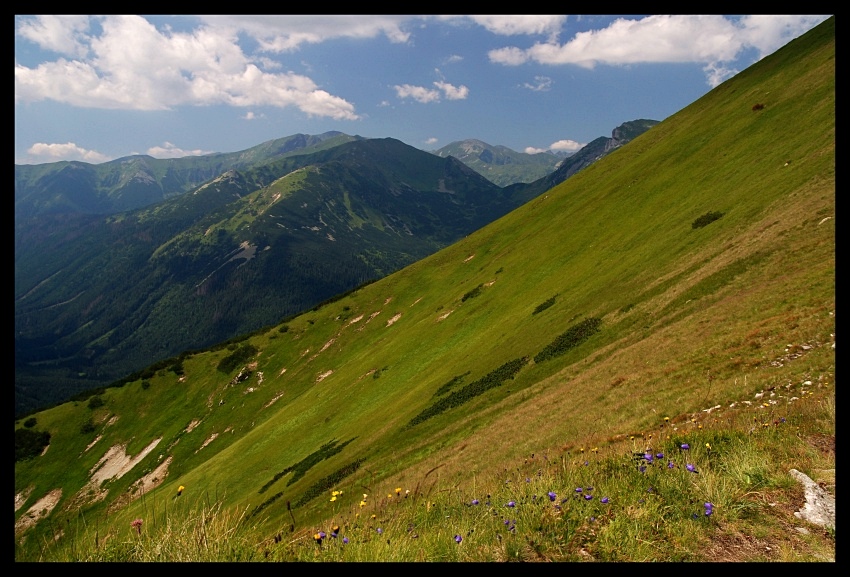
(100,298)
(685,274)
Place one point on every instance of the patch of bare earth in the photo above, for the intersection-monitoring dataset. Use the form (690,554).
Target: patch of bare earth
(39,510)
(444,315)
(21,498)
(144,485)
(738,547)
(113,465)
(276,397)
(209,440)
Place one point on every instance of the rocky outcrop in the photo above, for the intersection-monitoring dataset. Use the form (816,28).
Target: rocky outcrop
(820,505)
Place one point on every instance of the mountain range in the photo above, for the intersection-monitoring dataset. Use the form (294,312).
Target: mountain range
(124,263)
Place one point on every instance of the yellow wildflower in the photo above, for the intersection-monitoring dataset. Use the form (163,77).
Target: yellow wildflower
(398,490)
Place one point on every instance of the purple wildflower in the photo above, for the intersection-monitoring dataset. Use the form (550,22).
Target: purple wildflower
(527,480)
(475,501)
(380,531)
(588,497)
(648,457)
(709,509)
(511,504)
(642,469)
(458,538)
(604,500)
(659,456)
(552,496)
(345,540)
(685,446)
(691,468)
(578,489)
(670,464)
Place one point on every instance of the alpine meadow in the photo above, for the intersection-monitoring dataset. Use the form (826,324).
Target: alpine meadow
(637,364)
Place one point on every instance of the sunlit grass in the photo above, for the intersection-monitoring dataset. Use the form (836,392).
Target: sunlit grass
(675,499)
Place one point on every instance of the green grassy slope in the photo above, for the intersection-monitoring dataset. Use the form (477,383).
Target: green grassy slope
(686,318)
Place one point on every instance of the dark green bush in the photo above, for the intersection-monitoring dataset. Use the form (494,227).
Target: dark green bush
(328,483)
(544,305)
(706,219)
(451,384)
(177,368)
(88,427)
(300,468)
(472,294)
(237,358)
(491,380)
(29,444)
(574,336)
(30,423)
(146,385)
(95,402)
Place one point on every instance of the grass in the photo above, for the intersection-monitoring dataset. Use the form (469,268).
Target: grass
(608,503)
(689,319)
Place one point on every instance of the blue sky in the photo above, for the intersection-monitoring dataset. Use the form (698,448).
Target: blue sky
(96,88)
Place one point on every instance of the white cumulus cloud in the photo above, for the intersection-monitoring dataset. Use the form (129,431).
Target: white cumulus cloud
(712,40)
(507,25)
(453,92)
(132,65)
(417,93)
(425,95)
(566,145)
(44,152)
(62,34)
(168,150)
(283,33)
